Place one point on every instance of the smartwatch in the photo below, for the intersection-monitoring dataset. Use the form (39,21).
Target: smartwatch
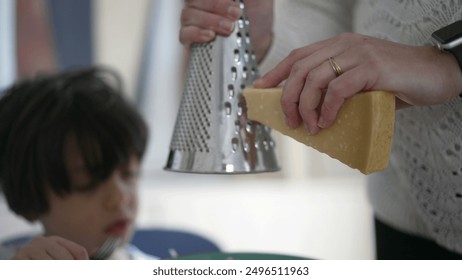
(449,39)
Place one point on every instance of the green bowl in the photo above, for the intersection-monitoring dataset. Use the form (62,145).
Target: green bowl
(240,256)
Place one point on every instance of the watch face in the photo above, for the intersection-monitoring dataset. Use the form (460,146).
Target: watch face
(449,33)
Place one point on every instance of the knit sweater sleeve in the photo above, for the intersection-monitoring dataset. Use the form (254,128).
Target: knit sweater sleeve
(301,22)
(421,191)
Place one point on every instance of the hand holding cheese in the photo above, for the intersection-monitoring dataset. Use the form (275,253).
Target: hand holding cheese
(361,137)
(320,76)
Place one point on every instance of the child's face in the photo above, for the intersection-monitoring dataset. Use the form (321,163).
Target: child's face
(88,217)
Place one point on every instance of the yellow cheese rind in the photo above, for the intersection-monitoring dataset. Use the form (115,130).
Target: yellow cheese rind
(361,137)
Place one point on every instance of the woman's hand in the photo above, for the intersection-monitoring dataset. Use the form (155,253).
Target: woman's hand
(203,20)
(51,248)
(313,93)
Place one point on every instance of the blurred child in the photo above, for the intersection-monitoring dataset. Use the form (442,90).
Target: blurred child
(70,154)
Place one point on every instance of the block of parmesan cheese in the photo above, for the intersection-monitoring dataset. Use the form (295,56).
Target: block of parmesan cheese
(361,137)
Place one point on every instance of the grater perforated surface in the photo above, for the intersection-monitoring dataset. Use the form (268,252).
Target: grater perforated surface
(212,133)
(192,129)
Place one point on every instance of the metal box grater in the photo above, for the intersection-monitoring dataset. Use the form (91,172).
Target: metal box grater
(212,133)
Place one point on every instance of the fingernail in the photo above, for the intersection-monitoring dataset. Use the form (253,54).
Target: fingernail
(322,122)
(291,123)
(226,25)
(207,34)
(308,129)
(234,12)
(258,83)
(287,122)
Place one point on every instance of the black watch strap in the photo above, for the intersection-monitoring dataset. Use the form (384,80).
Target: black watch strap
(457,52)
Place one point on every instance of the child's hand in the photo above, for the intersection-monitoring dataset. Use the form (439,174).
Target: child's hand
(51,248)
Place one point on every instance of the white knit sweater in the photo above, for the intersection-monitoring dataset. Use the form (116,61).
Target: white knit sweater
(421,191)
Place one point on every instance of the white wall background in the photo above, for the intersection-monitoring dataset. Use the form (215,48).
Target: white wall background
(314,207)
(7,43)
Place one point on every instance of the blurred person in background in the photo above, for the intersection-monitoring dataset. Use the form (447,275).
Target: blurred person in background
(71,148)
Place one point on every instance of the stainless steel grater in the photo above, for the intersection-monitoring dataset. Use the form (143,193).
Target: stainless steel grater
(212,133)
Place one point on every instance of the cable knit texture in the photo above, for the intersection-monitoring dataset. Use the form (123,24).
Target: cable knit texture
(301,22)
(421,190)
(426,165)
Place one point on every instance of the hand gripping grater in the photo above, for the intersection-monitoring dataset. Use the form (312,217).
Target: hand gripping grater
(212,133)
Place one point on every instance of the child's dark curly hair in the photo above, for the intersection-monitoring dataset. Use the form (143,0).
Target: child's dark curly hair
(36,118)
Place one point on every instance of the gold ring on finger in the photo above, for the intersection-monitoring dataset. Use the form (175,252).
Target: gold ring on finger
(337,69)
